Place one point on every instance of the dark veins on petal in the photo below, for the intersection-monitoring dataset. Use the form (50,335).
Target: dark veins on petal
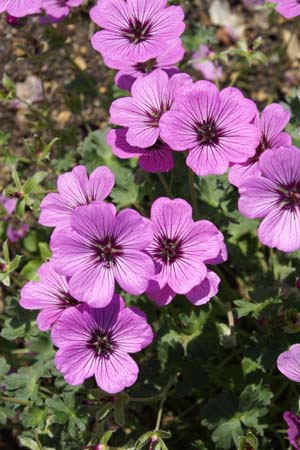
(137,31)
(102,343)
(107,251)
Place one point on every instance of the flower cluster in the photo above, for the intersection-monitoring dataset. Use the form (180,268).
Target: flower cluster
(96,248)
(53,10)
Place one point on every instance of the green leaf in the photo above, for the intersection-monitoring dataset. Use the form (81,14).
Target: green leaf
(30,242)
(64,411)
(8,83)
(95,151)
(14,264)
(245,308)
(5,252)
(143,440)
(45,251)
(226,414)
(34,417)
(16,179)
(20,209)
(119,408)
(4,367)
(33,182)
(248,442)
(25,383)
(28,443)
(29,271)
(13,329)
(106,437)
(126,192)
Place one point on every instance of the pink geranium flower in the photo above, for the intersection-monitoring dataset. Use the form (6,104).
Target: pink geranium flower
(293,422)
(275,197)
(151,97)
(16,232)
(157,158)
(9,206)
(289,363)
(135,30)
(50,294)
(97,342)
(214,126)
(288,8)
(20,8)
(57,10)
(179,249)
(271,123)
(101,247)
(75,189)
(211,70)
(129,71)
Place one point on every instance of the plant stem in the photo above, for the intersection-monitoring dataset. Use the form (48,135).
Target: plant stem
(193,194)
(165,184)
(37,440)
(156,398)
(17,401)
(164,395)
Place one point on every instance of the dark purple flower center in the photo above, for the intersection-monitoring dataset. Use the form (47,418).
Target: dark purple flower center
(207,132)
(290,196)
(263,145)
(102,343)
(146,67)
(108,251)
(137,30)
(167,249)
(68,300)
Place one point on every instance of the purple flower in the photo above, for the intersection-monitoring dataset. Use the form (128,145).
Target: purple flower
(198,295)
(157,158)
(97,342)
(272,121)
(275,197)
(50,294)
(151,97)
(214,126)
(9,205)
(57,10)
(75,189)
(13,21)
(129,71)
(288,8)
(211,70)
(102,247)
(180,248)
(135,30)
(293,422)
(20,8)
(15,233)
(289,363)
